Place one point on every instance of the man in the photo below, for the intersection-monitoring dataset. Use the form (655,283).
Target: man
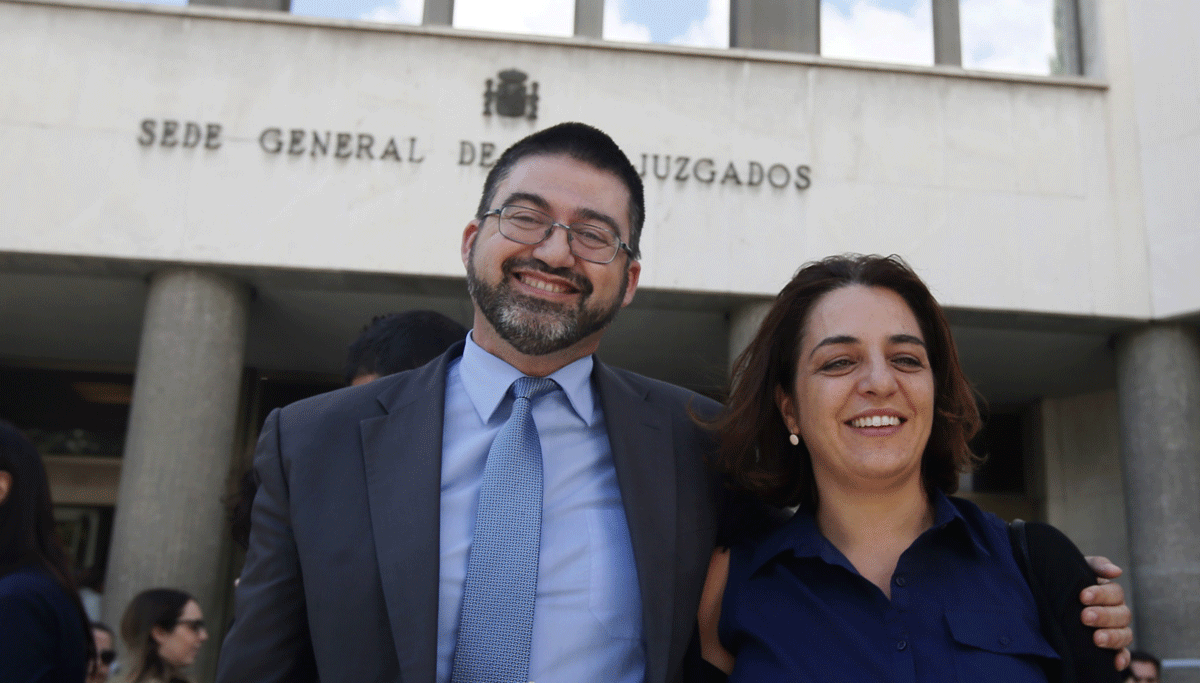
(363,562)
(1143,668)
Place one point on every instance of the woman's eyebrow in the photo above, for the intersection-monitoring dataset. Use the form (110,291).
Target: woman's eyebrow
(836,339)
(906,339)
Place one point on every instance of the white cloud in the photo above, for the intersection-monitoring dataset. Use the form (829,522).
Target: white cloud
(616,28)
(878,34)
(1008,35)
(543,17)
(711,31)
(399,12)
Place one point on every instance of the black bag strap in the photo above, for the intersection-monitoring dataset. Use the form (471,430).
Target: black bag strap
(1051,629)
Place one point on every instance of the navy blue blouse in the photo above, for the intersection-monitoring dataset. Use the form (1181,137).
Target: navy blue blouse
(795,609)
(42,635)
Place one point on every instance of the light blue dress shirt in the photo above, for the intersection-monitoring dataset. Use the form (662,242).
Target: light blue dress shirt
(587,622)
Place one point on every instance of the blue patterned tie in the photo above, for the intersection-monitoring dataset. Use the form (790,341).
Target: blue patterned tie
(496,626)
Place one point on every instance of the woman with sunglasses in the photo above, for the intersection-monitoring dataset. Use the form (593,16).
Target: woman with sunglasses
(163,629)
(43,630)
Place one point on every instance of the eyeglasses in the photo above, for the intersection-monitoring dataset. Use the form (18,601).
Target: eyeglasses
(106,657)
(197,625)
(529,226)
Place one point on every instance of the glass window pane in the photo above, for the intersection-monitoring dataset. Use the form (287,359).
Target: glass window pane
(542,17)
(395,11)
(1012,35)
(178,3)
(701,23)
(899,31)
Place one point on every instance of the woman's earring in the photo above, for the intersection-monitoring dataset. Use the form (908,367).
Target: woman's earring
(795,439)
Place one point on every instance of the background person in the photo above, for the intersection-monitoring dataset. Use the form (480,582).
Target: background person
(850,403)
(43,629)
(101,666)
(163,629)
(399,341)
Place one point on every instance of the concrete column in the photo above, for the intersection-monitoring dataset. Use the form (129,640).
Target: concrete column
(792,25)
(438,13)
(170,521)
(743,325)
(947,35)
(277,5)
(589,18)
(1158,383)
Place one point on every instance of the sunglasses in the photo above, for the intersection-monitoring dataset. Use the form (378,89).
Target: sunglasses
(106,656)
(197,625)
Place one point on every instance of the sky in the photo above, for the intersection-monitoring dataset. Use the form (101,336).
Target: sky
(997,35)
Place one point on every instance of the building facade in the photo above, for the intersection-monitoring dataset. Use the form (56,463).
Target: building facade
(200,207)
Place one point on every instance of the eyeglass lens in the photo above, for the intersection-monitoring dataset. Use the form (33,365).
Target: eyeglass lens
(529,226)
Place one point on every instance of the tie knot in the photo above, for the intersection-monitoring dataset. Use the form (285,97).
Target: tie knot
(531,387)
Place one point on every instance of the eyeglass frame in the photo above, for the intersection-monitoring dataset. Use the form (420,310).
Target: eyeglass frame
(550,231)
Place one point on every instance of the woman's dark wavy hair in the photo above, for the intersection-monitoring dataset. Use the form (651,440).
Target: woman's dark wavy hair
(159,607)
(753,446)
(27,537)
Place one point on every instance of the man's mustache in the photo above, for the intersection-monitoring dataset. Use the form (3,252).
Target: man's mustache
(578,281)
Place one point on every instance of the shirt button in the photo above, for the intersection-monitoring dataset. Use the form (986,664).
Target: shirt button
(901,645)
(1005,640)
(900,581)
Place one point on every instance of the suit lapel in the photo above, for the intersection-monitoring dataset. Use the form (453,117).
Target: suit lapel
(402,453)
(639,433)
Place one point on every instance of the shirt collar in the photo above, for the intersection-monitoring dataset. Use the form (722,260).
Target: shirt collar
(800,536)
(486,379)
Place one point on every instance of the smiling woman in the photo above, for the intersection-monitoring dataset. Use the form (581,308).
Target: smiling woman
(851,405)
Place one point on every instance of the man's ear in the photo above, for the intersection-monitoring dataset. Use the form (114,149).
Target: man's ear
(5,485)
(159,634)
(635,271)
(468,239)
(787,405)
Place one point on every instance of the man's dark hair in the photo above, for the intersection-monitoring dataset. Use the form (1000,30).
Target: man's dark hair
(584,143)
(401,341)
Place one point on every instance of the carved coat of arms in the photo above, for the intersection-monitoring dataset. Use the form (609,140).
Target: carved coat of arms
(510,96)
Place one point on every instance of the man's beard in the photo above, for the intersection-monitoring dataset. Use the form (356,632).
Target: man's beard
(534,326)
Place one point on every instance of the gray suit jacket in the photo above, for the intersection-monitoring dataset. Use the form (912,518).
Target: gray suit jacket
(341,579)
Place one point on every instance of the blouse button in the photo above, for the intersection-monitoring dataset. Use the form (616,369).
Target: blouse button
(1005,640)
(900,581)
(901,645)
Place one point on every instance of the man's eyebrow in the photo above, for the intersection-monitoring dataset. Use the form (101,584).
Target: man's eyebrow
(847,339)
(584,214)
(526,197)
(591,215)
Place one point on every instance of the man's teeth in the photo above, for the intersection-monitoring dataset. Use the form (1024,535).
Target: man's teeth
(876,421)
(545,286)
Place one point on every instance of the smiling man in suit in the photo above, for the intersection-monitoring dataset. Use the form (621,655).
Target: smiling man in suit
(390,541)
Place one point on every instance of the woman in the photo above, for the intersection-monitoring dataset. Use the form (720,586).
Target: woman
(850,404)
(163,629)
(43,630)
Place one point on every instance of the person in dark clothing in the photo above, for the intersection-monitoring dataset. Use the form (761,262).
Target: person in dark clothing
(44,634)
(399,341)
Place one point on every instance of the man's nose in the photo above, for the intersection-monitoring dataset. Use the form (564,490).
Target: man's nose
(555,250)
